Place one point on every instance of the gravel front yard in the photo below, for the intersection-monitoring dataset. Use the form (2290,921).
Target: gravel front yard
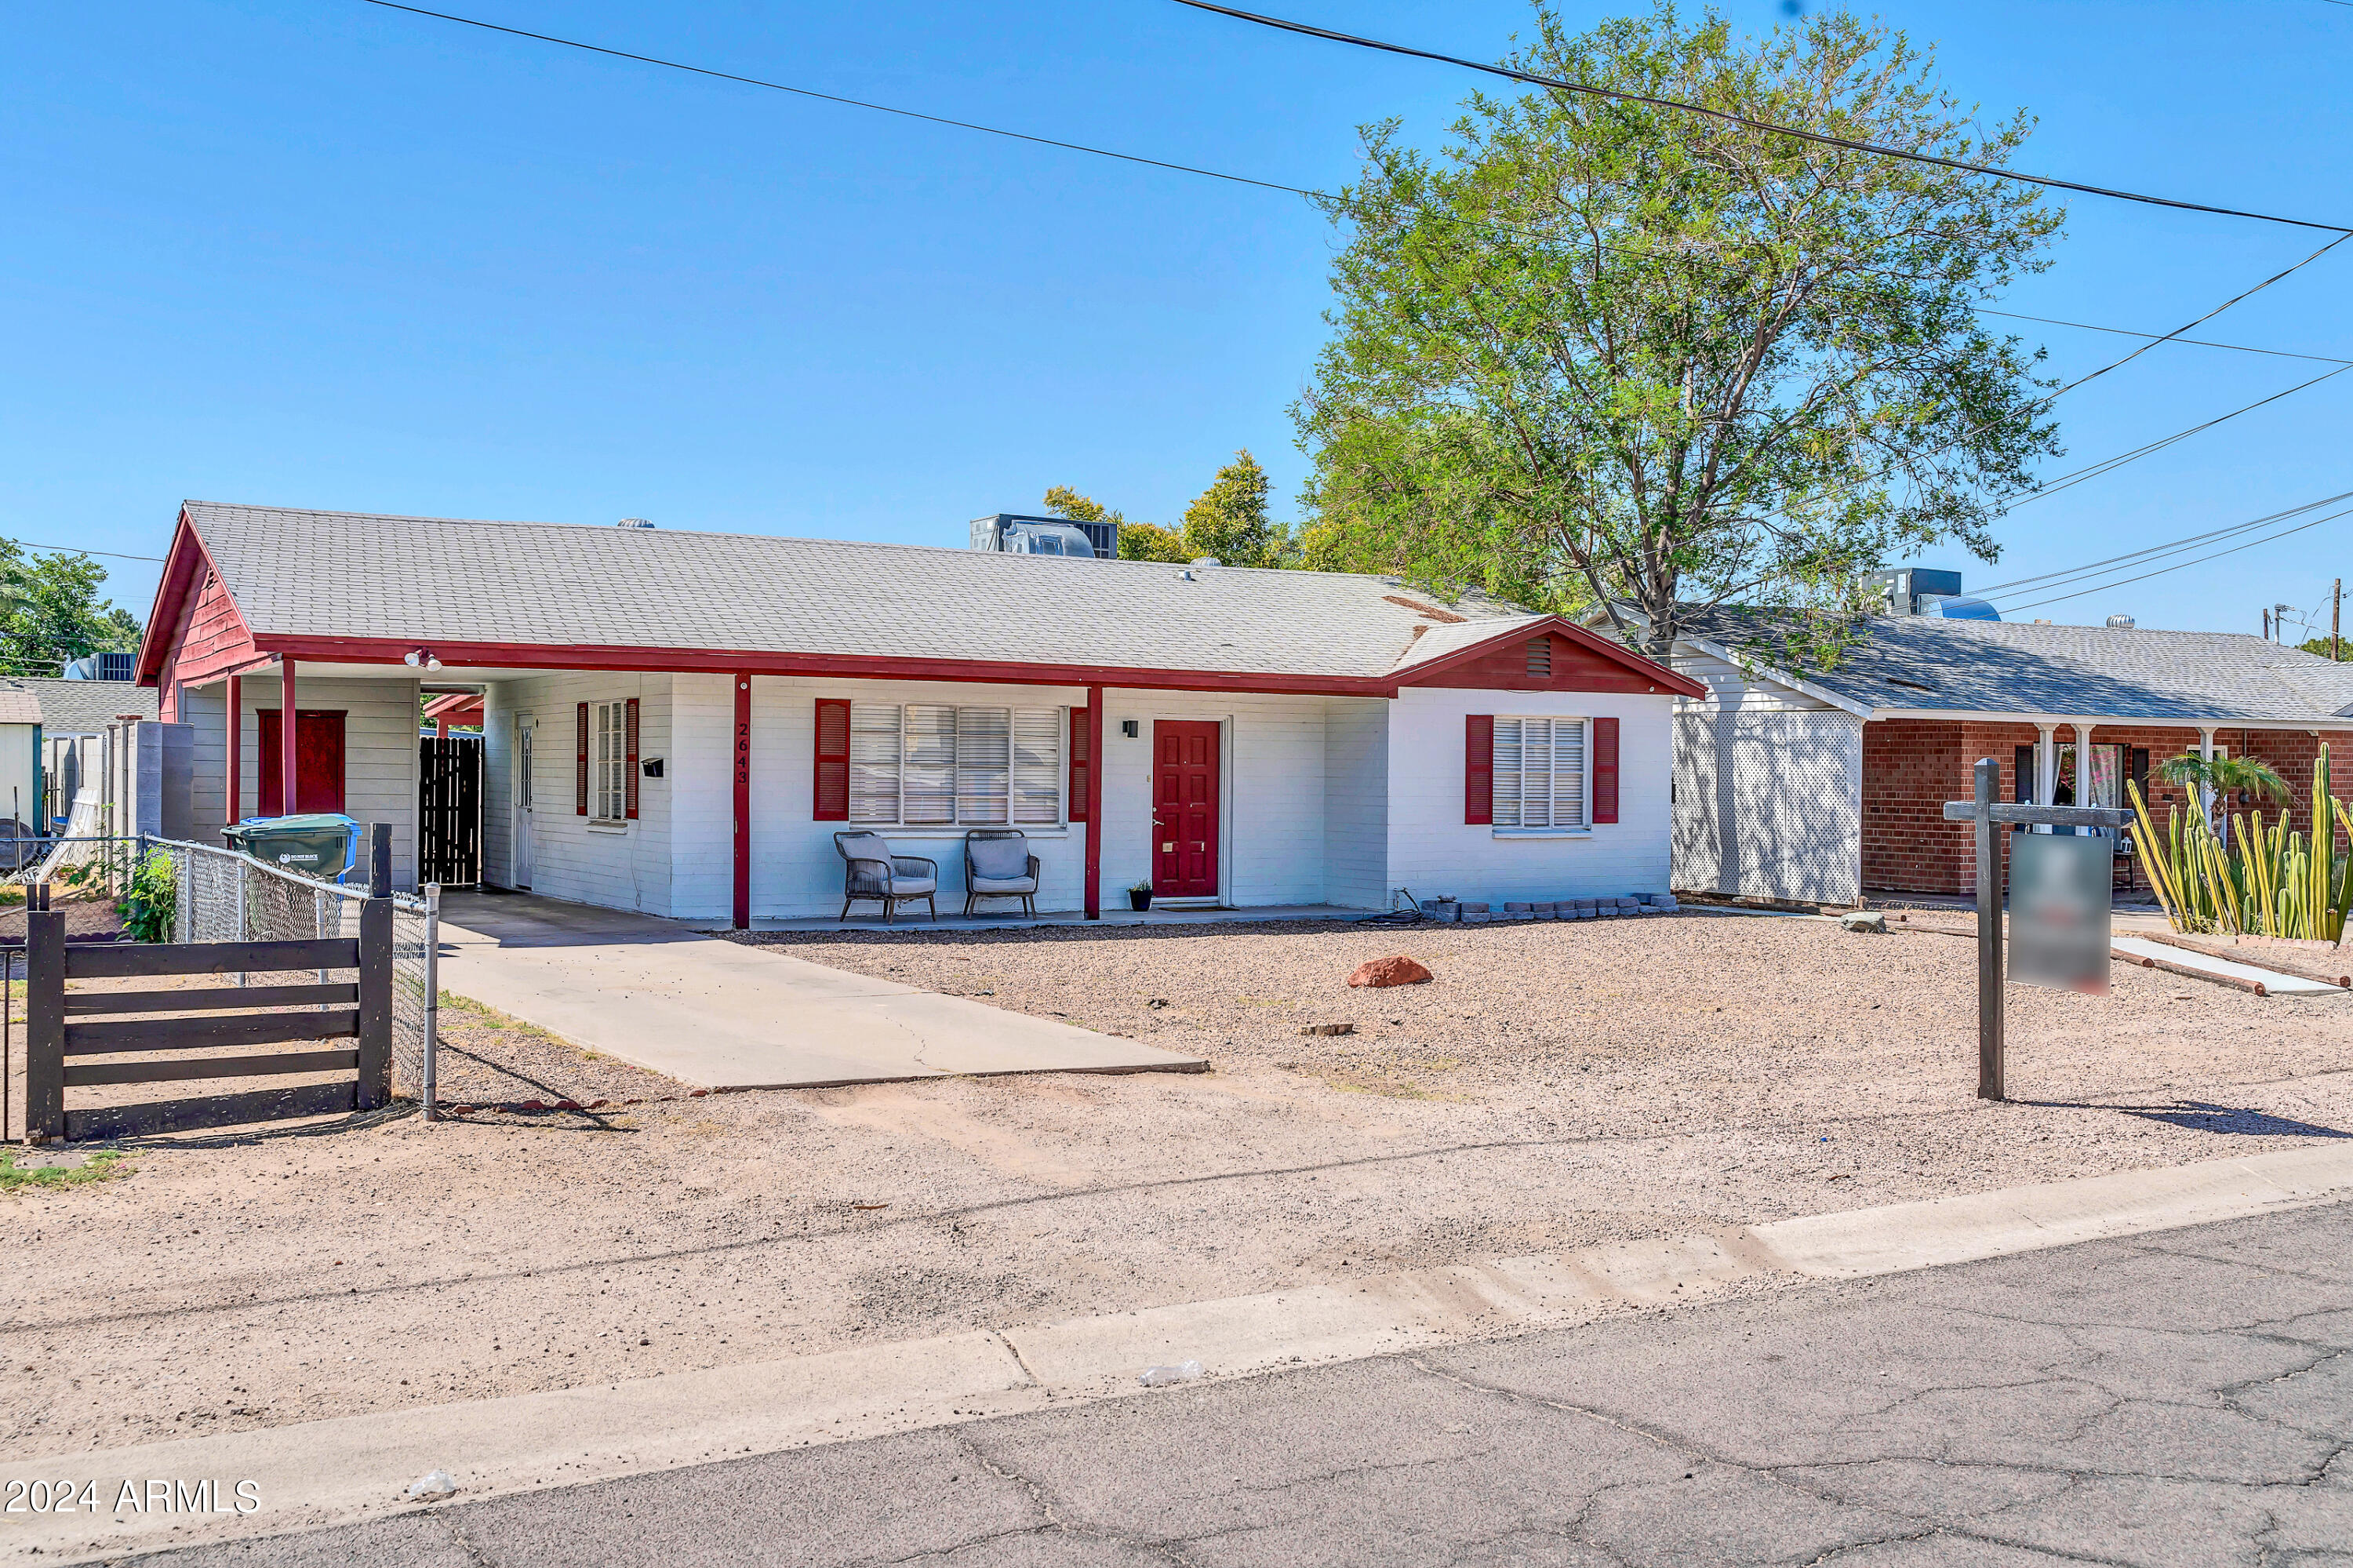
(1556,1085)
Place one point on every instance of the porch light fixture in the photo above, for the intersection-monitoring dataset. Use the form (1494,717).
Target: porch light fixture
(422,659)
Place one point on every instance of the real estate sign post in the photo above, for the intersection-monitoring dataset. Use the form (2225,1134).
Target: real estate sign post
(1985,811)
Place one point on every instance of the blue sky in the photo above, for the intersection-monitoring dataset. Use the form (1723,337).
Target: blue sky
(310,252)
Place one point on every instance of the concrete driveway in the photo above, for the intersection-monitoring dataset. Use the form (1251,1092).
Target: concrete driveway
(724,1016)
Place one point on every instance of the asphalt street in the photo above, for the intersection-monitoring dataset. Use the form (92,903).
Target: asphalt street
(2181,1398)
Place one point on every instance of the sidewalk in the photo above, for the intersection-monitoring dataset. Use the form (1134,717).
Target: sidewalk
(2176,1401)
(321,1472)
(721,1016)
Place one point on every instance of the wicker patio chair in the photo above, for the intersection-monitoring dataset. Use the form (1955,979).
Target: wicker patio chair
(997,865)
(875,875)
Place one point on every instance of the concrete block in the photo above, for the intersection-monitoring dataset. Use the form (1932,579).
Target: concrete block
(1518,908)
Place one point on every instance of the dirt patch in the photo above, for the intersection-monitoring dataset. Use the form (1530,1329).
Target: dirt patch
(1554,1087)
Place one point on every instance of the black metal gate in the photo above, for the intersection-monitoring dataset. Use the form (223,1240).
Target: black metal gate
(449,809)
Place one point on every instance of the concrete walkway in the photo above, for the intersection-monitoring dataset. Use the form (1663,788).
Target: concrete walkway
(2275,982)
(721,1015)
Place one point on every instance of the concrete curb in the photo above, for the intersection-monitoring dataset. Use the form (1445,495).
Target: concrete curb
(354,1467)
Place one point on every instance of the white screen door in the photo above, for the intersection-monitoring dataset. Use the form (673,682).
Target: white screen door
(524,726)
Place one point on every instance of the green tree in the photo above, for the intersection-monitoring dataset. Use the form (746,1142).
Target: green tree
(50,611)
(1229,521)
(1600,350)
(1151,542)
(2320,645)
(1061,500)
(1137,541)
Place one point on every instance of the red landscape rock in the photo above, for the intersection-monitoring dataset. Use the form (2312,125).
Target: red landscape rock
(1389,971)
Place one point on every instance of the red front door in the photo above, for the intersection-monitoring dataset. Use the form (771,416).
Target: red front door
(318,762)
(1185,809)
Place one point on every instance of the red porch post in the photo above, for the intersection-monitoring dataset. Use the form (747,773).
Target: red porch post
(234,780)
(1094,801)
(286,723)
(742,802)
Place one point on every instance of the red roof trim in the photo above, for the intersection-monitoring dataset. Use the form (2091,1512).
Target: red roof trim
(1616,652)
(587,656)
(186,566)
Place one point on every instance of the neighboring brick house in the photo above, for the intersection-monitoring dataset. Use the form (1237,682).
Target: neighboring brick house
(1821,787)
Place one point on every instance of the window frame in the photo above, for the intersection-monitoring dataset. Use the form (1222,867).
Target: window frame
(1498,773)
(608,762)
(951,778)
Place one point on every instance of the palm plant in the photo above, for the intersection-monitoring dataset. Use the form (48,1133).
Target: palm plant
(2269,882)
(2223,775)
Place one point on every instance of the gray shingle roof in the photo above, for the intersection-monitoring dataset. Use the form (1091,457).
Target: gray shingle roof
(84,707)
(1984,666)
(433,579)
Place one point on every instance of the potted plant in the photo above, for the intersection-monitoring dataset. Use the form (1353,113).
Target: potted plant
(1139,896)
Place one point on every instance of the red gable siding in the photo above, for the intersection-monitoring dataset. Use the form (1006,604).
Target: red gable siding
(212,637)
(1575,668)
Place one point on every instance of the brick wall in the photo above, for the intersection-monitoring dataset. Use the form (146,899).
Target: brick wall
(1911,767)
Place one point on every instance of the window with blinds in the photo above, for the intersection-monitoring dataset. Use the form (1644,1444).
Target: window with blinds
(1539,780)
(936,765)
(610,775)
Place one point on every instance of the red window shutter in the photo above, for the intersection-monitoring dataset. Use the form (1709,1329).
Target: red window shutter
(1478,768)
(1081,763)
(629,780)
(832,795)
(1605,770)
(580,764)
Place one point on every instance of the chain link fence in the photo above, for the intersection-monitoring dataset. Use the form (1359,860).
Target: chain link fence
(223,897)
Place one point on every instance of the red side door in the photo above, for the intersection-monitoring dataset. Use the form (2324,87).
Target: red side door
(1185,809)
(318,762)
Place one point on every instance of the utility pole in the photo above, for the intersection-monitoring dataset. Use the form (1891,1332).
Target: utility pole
(2336,615)
(2267,626)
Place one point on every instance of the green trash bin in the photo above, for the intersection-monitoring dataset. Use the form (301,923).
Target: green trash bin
(323,844)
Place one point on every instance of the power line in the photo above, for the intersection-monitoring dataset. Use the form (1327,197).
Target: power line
(836,97)
(2178,566)
(2094,472)
(2109,465)
(1311,195)
(2141,557)
(1563,85)
(2168,337)
(2209,317)
(2051,579)
(80,550)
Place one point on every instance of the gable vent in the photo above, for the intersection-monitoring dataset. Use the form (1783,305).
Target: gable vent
(1540,658)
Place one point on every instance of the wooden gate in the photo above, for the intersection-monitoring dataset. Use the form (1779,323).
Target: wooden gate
(62,1025)
(450,810)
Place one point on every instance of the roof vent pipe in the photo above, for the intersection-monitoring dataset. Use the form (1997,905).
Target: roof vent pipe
(2120,623)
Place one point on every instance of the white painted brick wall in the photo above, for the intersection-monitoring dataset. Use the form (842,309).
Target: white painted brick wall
(1435,853)
(624,867)
(796,873)
(1272,749)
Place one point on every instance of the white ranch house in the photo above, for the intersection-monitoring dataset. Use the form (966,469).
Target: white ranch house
(677,722)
